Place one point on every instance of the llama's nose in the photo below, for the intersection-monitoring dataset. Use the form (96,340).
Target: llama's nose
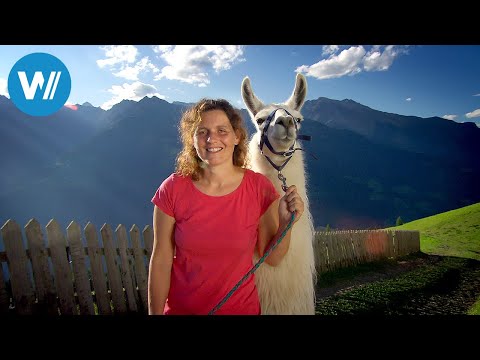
(286,121)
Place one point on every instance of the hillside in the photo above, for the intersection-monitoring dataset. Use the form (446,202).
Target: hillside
(452,233)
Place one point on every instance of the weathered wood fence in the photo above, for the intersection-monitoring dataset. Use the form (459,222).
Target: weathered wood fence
(75,274)
(337,249)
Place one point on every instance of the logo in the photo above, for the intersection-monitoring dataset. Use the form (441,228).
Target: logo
(39,84)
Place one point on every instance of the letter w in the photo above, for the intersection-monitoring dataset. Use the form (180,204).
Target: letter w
(29,90)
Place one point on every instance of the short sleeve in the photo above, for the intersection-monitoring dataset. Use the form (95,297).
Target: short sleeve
(163,197)
(268,193)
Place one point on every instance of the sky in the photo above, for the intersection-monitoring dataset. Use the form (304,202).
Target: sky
(420,80)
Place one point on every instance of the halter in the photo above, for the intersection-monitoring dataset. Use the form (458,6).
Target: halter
(288,154)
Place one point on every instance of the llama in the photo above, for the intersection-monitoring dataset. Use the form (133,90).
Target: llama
(288,288)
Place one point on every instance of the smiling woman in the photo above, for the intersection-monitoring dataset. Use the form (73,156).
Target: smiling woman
(211,216)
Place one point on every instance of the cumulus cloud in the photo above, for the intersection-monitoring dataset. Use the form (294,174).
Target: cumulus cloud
(408,99)
(473,114)
(118,54)
(135,91)
(330,49)
(378,60)
(122,62)
(352,60)
(449,117)
(132,72)
(192,63)
(4,87)
(348,62)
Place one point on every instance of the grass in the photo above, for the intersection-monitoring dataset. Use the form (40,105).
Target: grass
(475,309)
(452,233)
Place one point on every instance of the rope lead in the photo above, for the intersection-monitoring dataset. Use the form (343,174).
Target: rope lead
(259,262)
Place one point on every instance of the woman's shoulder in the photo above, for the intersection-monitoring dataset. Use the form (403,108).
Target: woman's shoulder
(257,177)
(175,179)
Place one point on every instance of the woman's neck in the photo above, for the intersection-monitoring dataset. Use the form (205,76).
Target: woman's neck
(218,176)
(219,181)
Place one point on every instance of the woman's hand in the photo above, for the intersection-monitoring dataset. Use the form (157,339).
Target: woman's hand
(289,203)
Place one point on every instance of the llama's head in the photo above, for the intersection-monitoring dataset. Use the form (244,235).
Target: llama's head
(282,119)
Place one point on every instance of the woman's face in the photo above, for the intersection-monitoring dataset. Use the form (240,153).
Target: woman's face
(214,139)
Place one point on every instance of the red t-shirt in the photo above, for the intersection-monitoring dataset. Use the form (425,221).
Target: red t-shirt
(215,238)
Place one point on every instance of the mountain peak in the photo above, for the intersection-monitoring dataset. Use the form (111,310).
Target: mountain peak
(86,103)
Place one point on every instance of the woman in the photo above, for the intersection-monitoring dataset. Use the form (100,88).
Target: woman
(211,215)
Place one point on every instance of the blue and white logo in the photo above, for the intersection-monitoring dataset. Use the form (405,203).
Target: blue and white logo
(39,84)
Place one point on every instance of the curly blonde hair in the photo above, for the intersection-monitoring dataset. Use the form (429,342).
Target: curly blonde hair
(188,162)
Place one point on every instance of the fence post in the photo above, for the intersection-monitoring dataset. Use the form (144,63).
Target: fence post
(22,288)
(102,296)
(45,289)
(61,267)
(140,270)
(82,282)
(125,273)
(114,279)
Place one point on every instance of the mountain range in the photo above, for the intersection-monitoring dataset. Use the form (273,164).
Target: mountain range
(365,168)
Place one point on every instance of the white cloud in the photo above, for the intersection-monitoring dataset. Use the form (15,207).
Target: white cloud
(135,91)
(476,95)
(191,63)
(450,117)
(330,49)
(376,60)
(353,60)
(132,72)
(473,114)
(346,63)
(118,54)
(408,99)
(121,61)
(4,87)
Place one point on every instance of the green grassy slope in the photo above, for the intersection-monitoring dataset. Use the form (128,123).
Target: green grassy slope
(452,233)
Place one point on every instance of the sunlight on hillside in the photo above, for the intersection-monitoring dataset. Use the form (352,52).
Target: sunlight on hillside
(452,233)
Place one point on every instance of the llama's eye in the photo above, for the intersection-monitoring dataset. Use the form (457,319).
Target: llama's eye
(260,121)
(298,120)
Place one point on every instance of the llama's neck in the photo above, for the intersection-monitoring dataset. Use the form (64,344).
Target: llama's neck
(294,170)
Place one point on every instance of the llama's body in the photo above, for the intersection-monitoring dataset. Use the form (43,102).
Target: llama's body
(288,288)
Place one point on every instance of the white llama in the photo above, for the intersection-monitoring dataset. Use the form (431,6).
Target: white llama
(288,288)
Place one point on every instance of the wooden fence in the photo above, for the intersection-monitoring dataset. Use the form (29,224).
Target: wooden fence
(75,274)
(338,249)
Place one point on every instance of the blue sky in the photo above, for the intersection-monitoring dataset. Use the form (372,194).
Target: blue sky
(424,81)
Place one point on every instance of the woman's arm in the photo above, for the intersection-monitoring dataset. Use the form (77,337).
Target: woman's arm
(160,262)
(274,221)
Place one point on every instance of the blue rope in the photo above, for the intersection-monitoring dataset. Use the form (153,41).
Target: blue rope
(252,270)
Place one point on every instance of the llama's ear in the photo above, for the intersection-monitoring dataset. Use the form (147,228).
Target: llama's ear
(299,93)
(254,105)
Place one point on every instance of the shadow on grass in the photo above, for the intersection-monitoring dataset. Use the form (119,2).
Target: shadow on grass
(413,285)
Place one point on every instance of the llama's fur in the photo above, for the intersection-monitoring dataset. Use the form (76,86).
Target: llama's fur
(289,287)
